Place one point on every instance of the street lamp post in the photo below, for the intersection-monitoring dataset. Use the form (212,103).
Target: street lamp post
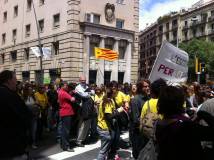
(40,45)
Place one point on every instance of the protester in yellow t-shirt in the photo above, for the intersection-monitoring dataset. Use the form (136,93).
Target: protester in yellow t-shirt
(107,126)
(42,102)
(107,108)
(119,97)
(153,107)
(41,97)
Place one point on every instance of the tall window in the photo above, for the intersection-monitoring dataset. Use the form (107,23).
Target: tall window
(167,26)
(5,17)
(39,76)
(120,77)
(122,49)
(96,19)
(202,30)
(29,5)
(88,17)
(3,38)
(212,13)
(27,30)
(56,20)
(186,35)
(167,36)
(93,18)
(174,35)
(2,59)
(13,56)
(160,29)
(55,48)
(26,54)
(175,22)
(194,32)
(119,23)
(212,26)
(25,76)
(15,14)
(107,77)
(14,33)
(92,76)
(41,25)
(109,43)
(94,42)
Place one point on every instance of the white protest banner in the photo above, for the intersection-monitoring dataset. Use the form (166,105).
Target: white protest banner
(171,64)
(46,52)
(36,51)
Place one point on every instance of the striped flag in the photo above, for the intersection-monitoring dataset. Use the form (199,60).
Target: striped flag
(106,54)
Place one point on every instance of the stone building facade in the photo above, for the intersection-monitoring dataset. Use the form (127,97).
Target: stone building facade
(71,28)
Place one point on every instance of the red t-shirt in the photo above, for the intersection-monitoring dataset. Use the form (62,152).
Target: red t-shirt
(65,107)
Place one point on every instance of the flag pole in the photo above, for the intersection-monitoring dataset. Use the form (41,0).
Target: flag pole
(100,70)
(39,40)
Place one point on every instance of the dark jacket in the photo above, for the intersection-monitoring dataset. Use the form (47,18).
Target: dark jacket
(15,120)
(136,105)
(179,138)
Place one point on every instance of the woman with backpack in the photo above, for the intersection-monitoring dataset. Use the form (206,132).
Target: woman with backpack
(149,111)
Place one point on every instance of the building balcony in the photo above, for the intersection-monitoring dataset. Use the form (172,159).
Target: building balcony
(174,27)
(211,18)
(211,31)
(196,23)
(160,33)
(200,34)
(185,27)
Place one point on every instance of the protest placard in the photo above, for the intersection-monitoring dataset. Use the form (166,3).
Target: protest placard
(171,64)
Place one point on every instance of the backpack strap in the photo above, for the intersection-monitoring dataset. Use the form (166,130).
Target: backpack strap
(116,105)
(149,109)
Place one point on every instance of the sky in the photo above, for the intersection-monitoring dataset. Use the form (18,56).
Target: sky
(151,10)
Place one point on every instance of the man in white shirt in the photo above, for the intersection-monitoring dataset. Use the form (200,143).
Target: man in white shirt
(84,122)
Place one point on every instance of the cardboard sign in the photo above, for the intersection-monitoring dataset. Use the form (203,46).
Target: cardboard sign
(171,64)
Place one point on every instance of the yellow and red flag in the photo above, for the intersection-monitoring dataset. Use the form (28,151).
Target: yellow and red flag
(106,54)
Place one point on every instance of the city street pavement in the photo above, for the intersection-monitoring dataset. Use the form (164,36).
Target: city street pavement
(50,149)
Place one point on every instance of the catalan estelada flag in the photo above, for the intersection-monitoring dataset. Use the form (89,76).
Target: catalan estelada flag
(106,54)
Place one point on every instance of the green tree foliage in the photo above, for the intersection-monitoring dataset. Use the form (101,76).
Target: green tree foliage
(202,49)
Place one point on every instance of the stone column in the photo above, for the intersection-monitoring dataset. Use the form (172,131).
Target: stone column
(127,75)
(86,56)
(101,65)
(114,73)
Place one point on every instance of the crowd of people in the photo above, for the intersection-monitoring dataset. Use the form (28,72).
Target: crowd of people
(177,119)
